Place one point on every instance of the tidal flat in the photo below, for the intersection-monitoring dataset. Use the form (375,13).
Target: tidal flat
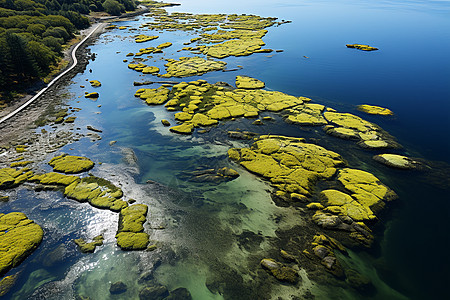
(254,161)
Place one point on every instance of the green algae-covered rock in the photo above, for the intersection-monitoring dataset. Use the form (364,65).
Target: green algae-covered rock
(245,82)
(54,178)
(307,114)
(290,164)
(349,126)
(71,164)
(86,247)
(153,96)
(343,204)
(99,192)
(190,66)
(130,235)
(361,47)
(132,240)
(183,128)
(8,177)
(19,237)
(280,271)
(375,110)
(366,189)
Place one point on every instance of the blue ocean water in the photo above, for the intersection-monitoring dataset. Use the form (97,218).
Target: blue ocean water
(410,74)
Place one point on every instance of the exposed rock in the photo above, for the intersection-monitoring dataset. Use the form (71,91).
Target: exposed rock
(397,161)
(361,47)
(19,237)
(349,126)
(280,271)
(93,95)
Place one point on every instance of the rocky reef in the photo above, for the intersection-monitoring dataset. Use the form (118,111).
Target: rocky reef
(293,167)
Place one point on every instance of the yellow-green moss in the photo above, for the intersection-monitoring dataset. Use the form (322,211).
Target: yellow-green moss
(361,47)
(19,237)
(71,164)
(54,178)
(245,82)
(145,38)
(89,247)
(21,163)
(366,189)
(130,235)
(153,96)
(190,66)
(10,177)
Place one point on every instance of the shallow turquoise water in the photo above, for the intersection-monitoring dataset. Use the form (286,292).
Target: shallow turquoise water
(205,224)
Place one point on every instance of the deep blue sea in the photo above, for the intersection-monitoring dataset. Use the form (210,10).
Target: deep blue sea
(410,75)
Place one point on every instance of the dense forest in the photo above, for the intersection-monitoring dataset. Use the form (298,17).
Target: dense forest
(33,32)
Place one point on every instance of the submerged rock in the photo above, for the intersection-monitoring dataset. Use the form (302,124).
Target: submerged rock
(7,283)
(179,294)
(118,288)
(19,237)
(154,293)
(280,271)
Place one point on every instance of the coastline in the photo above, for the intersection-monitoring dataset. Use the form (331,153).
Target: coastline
(13,128)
